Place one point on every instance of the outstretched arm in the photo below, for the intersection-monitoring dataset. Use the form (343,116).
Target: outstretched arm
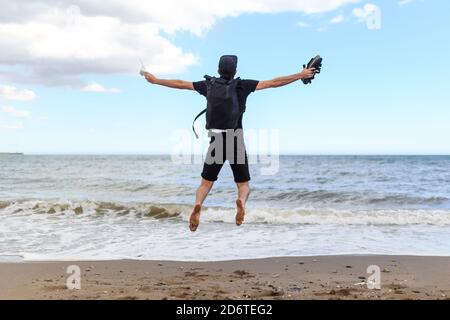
(282,81)
(176,84)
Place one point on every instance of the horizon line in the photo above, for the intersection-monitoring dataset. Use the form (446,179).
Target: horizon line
(281,154)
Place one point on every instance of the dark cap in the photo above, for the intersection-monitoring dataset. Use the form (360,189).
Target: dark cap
(228,65)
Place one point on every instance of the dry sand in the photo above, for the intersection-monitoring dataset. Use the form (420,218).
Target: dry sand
(328,277)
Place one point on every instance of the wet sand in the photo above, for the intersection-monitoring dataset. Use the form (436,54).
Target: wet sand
(327,277)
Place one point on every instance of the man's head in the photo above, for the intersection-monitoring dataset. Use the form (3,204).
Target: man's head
(228,66)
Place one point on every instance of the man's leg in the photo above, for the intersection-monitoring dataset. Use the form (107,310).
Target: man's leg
(211,168)
(243,193)
(202,192)
(241,174)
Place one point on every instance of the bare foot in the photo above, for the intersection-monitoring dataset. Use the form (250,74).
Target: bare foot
(240,212)
(194,220)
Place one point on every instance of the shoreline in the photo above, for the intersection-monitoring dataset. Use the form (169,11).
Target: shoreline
(311,277)
(19,259)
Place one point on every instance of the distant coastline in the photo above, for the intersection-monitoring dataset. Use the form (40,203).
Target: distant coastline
(11,154)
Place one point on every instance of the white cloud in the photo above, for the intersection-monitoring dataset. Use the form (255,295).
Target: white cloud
(96,87)
(12,93)
(7,126)
(56,42)
(370,14)
(15,112)
(365,12)
(337,19)
(302,24)
(404,2)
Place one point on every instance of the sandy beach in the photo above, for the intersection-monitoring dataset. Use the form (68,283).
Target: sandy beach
(321,277)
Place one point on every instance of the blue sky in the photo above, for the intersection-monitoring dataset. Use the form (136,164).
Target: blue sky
(381,91)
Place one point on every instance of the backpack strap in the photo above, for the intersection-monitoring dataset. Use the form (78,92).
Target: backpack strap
(198,116)
(209,80)
(209,83)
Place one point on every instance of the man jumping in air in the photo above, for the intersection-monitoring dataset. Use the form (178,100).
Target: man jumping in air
(226,97)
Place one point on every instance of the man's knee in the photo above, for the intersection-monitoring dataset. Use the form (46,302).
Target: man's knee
(206,183)
(243,185)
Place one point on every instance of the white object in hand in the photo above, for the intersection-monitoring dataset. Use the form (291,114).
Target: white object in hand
(143,71)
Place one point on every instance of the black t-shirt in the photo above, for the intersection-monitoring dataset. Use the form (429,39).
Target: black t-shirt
(244,88)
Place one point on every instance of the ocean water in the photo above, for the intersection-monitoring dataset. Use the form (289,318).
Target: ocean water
(137,207)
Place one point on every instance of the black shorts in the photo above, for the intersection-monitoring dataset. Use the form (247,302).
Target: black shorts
(236,156)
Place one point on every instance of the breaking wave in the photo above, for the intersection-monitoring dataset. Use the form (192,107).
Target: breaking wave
(321,196)
(259,215)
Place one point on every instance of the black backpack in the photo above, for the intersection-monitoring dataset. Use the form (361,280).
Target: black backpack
(222,110)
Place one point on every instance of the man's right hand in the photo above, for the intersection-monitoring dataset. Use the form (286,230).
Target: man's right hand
(307,73)
(150,77)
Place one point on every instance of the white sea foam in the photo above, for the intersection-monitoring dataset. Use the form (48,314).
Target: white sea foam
(331,216)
